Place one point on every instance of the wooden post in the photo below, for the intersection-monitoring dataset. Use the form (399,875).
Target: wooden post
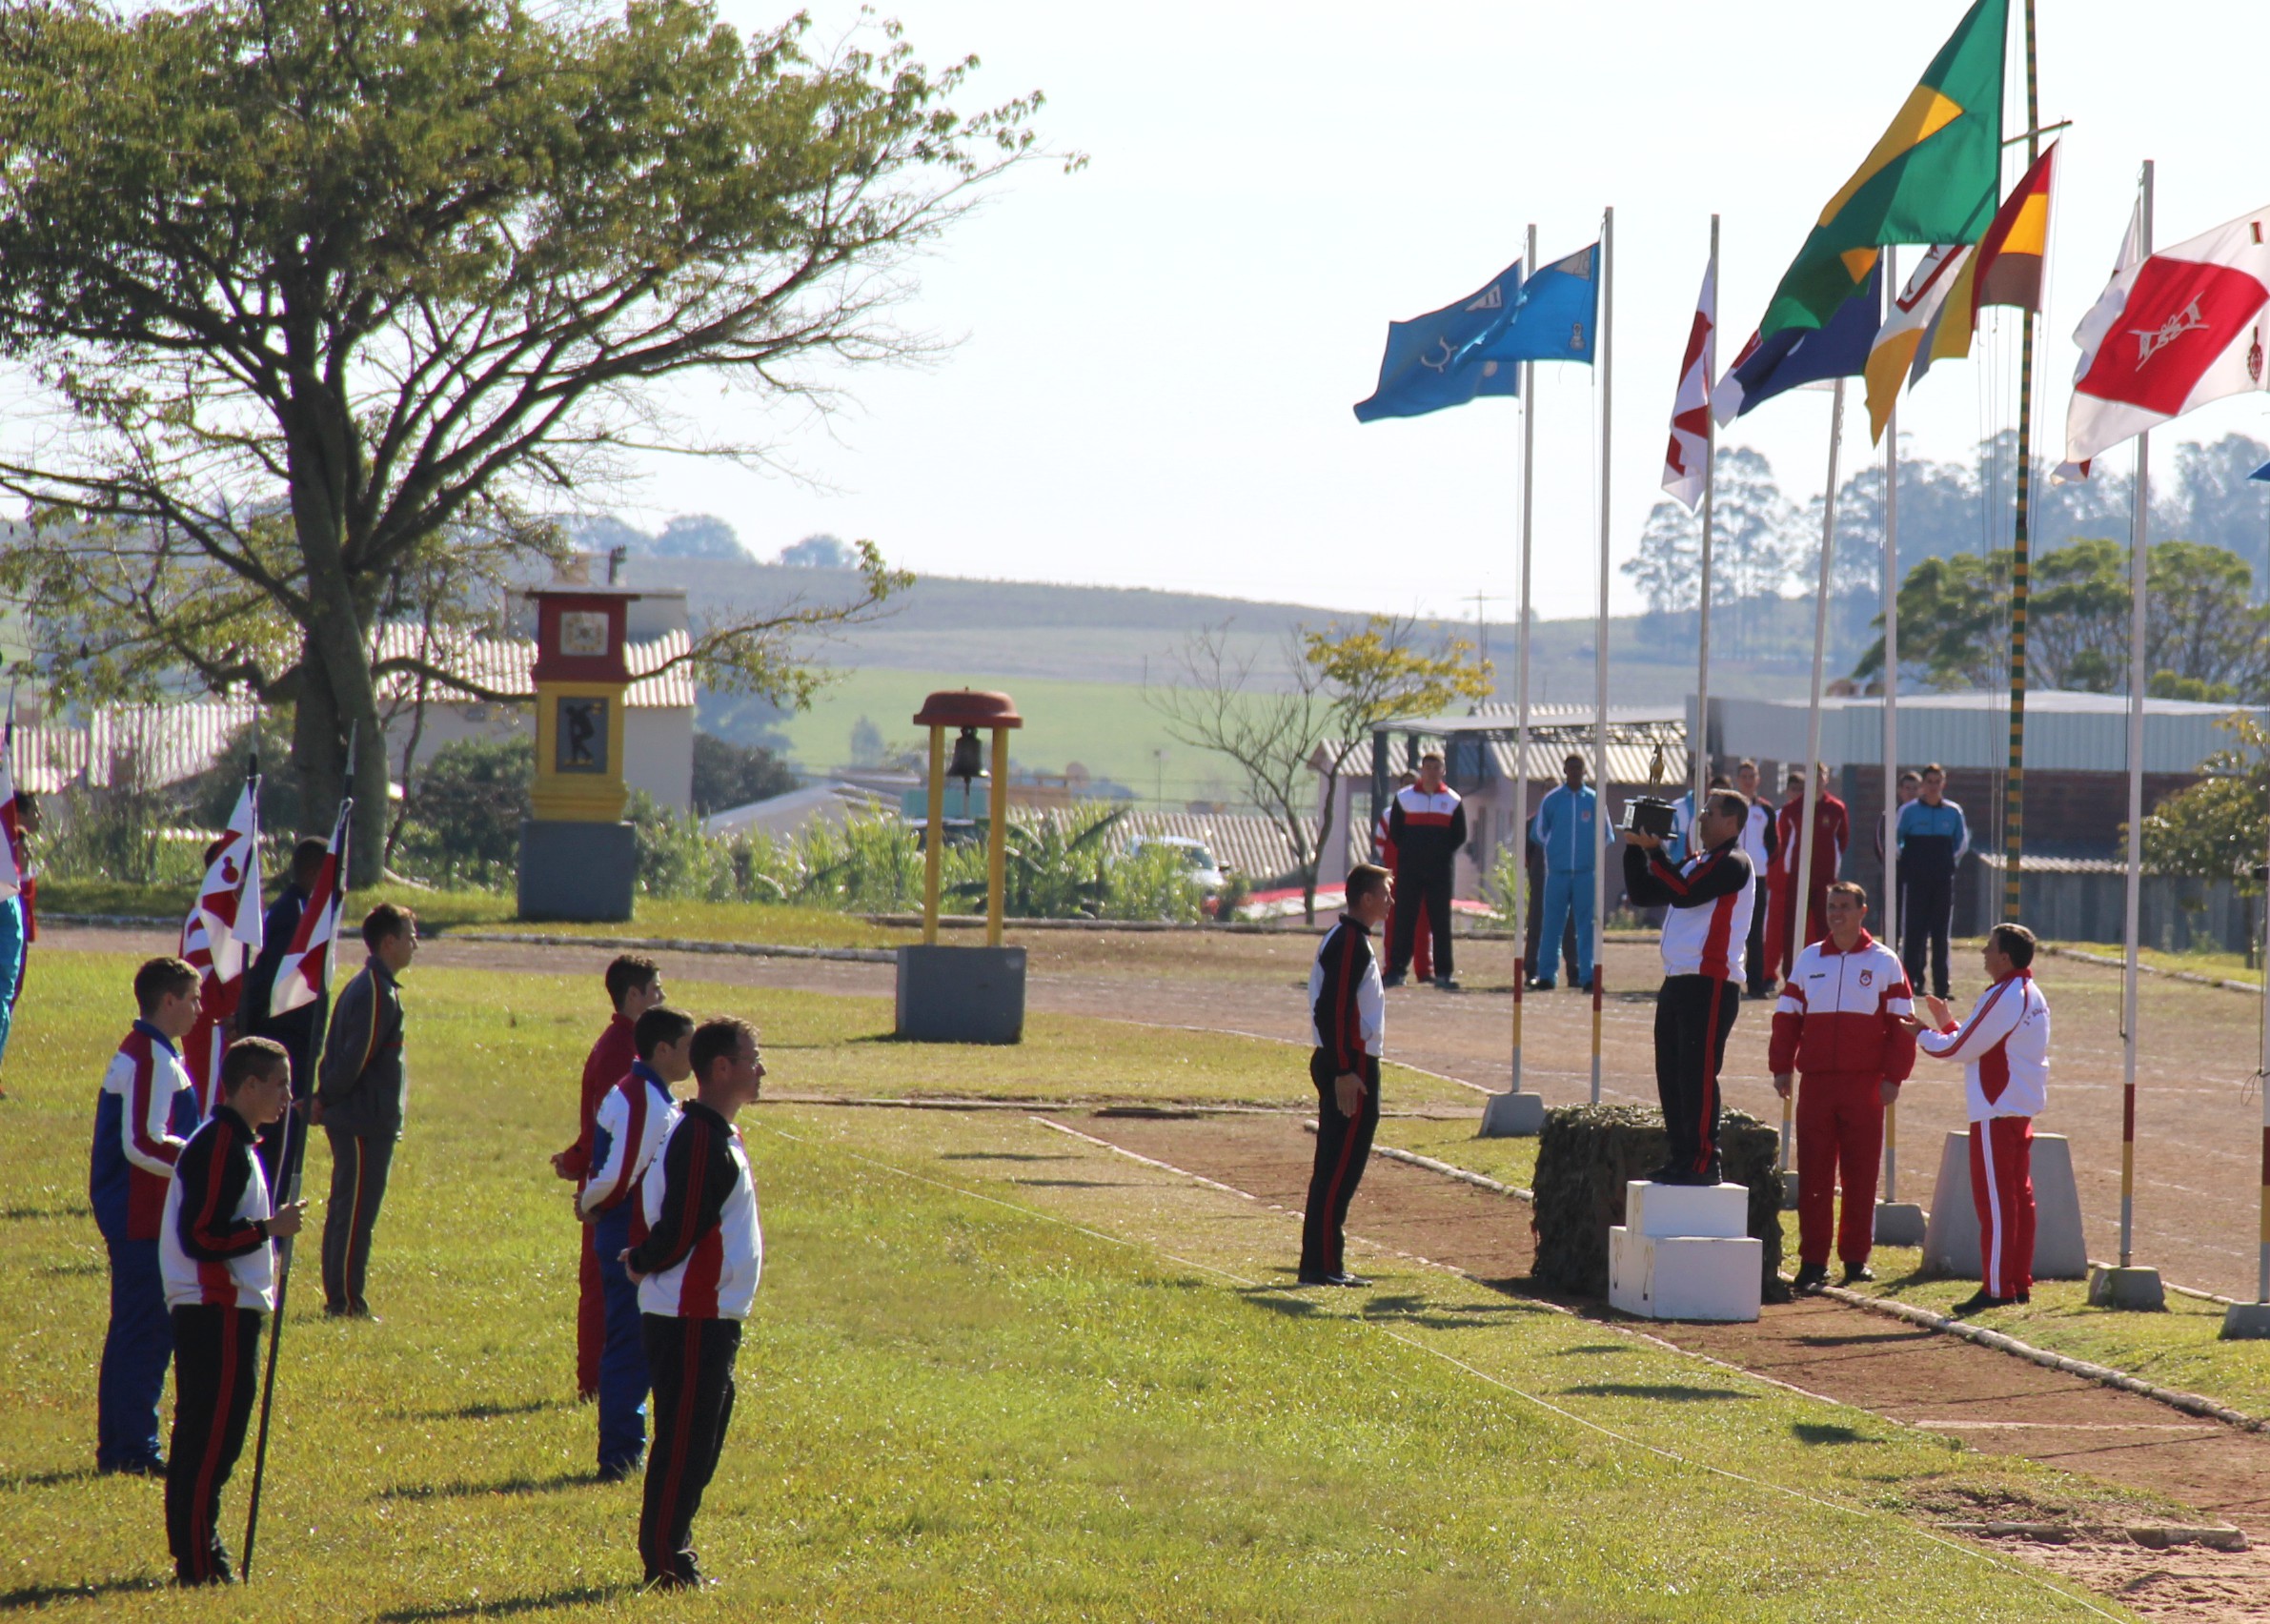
(933,838)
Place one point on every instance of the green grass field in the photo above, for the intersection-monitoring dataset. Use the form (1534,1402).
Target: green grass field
(994,1372)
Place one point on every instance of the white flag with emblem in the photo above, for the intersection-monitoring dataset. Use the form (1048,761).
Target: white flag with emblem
(1686,465)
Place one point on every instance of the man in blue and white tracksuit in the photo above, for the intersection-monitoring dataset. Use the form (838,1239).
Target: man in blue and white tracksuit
(1572,832)
(633,1120)
(696,1272)
(1932,837)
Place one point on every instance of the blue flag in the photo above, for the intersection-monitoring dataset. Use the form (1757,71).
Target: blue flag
(1434,360)
(2261,473)
(1798,355)
(1556,314)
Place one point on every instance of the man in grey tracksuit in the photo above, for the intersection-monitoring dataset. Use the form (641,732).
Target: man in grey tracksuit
(361,1085)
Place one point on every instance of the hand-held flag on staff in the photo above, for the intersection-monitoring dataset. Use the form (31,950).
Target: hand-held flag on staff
(304,973)
(1434,360)
(1556,316)
(222,935)
(2184,326)
(11,848)
(1686,465)
(1933,177)
(1777,362)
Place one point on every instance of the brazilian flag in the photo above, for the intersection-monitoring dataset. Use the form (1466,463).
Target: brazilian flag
(1934,177)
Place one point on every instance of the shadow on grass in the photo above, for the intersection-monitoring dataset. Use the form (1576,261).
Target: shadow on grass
(1821,1433)
(31,1596)
(506,1606)
(1001,1156)
(502,1486)
(29,1214)
(82,1265)
(46,1479)
(1071,1184)
(1279,1300)
(1444,1316)
(486,1411)
(1862,1339)
(1595,1348)
(1670,1393)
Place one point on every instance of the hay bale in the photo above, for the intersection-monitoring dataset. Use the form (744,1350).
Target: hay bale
(1588,1153)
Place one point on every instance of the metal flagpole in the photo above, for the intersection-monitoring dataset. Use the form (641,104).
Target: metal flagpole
(2251,1320)
(2013,780)
(1798,911)
(1891,675)
(1608,306)
(1698,764)
(1521,685)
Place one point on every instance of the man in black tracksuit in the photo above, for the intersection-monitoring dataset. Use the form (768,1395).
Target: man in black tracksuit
(1348,1008)
(359,1100)
(1709,898)
(1426,824)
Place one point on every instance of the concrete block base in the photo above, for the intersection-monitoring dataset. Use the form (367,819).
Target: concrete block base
(1898,1224)
(1664,1211)
(1685,1277)
(1951,1236)
(2136,1289)
(1512,1116)
(2246,1322)
(962,995)
(577,871)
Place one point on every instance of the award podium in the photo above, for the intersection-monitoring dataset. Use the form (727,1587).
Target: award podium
(1685,1252)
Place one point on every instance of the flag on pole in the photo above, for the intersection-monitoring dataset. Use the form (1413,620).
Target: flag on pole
(1913,309)
(303,975)
(221,936)
(2168,336)
(1774,363)
(1686,465)
(1555,316)
(11,849)
(2005,270)
(2099,322)
(1435,360)
(1933,177)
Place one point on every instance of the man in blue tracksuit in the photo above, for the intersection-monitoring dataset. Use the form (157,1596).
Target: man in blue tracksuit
(1573,831)
(1933,837)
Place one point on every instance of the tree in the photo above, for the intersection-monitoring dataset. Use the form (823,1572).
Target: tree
(2217,828)
(1335,686)
(312,285)
(467,806)
(818,553)
(728,775)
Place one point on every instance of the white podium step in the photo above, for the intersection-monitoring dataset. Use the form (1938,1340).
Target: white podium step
(1711,1212)
(1685,1277)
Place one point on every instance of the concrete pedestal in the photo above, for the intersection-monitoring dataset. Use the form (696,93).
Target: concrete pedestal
(1951,1237)
(1898,1224)
(1684,1252)
(577,871)
(2136,1289)
(2246,1322)
(1512,1116)
(962,995)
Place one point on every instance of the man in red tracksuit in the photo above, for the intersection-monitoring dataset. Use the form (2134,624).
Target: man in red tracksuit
(1383,844)
(1843,1022)
(634,987)
(1832,834)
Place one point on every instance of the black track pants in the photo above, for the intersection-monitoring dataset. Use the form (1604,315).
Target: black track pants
(1694,1017)
(690,1363)
(1343,1146)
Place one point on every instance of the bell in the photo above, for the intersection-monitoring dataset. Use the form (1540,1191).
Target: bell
(969,757)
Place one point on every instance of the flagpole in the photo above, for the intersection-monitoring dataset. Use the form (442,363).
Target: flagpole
(2014,777)
(1698,764)
(1607,308)
(1521,725)
(1890,678)
(1799,913)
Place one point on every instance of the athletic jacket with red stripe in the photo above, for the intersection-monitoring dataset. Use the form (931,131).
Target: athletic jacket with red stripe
(2004,1047)
(1709,896)
(215,1250)
(1425,831)
(1348,1001)
(633,1120)
(1841,1012)
(607,1064)
(146,1111)
(704,1247)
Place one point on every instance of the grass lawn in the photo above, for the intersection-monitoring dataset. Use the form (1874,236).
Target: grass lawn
(2199,962)
(995,1373)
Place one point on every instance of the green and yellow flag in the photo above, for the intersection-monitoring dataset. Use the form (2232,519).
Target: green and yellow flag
(1934,177)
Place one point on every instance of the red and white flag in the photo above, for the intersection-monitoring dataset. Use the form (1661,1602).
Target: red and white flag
(1686,465)
(303,975)
(221,936)
(2170,334)
(11,848)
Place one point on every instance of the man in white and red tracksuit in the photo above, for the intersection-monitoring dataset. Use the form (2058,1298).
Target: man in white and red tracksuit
(2004,1046)
(1709,898)
(1844,1024)
(220,1280)
(1427,823)
(1383,846)
(1832,834)
(1348,1008)
(632,1119)
(1759,841)
(696,1272)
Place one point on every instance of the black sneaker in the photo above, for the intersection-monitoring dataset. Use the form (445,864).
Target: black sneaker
(1540,984)
(1354,1281)
(153,1467)
(1667,1174)
(617,1471)
(1857,1274)
(1447,983)
(1811,1278)
(1978,1302)
(1392,979)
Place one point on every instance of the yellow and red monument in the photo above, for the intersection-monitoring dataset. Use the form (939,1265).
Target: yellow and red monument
(579,859)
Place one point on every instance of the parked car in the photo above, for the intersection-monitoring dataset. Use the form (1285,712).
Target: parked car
(1205,873)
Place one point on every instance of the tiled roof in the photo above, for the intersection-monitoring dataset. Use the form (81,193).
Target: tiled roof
(157,744)
(502,665)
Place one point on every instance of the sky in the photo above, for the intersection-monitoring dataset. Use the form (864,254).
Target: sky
(1153,359)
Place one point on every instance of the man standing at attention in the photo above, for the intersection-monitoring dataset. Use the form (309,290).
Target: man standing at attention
(1844,1023)
(696,1273)
(1831,833)
(1426,824)
(2004,1047)
(363,1088)
(634,987)
(1758,842)
(1348,1016)
(1571,832)
(1933,837)
(1709,896)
